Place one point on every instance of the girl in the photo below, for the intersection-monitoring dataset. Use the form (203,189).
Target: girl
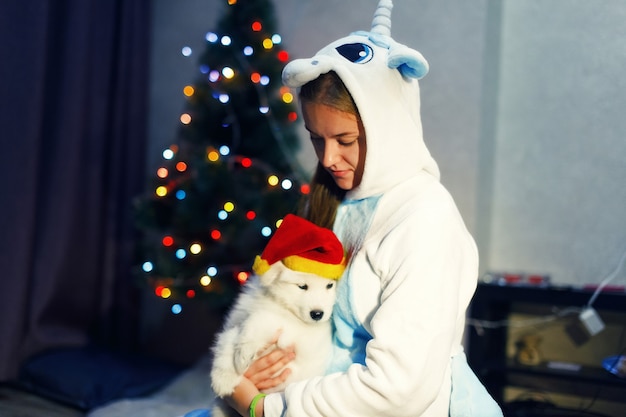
(400,314)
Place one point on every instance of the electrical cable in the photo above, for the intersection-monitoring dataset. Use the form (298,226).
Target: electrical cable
(606,280)
(479,325)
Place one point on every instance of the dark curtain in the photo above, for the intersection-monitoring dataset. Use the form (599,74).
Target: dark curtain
(73,102)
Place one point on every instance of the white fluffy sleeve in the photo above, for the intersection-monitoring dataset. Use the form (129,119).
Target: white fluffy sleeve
(425,265)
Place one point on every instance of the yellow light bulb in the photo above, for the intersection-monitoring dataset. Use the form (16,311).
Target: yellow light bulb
(213,156)
(272,180)
(229,206)
(228,72)
(195,248)
(287,98)
(205,280)
(161,191)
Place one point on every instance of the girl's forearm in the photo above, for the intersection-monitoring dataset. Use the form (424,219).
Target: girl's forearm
(242,397)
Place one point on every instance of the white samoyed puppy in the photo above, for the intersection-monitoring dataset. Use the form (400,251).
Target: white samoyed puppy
(296,304)
(291,295)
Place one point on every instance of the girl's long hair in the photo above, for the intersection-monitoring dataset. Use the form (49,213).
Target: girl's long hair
(320,205)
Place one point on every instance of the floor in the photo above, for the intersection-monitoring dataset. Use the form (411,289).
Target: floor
(17,403)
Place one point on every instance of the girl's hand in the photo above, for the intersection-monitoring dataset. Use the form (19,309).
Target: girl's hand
(269,370)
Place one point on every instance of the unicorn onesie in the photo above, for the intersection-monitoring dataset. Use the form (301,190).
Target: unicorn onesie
(413,267)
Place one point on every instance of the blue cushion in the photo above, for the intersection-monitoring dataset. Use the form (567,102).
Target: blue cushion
(198,413)
(90,376)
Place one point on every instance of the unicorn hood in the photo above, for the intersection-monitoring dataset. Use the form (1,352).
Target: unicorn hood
(382,77)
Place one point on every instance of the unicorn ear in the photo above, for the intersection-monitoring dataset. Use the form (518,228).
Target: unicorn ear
(408,61)
(300,71)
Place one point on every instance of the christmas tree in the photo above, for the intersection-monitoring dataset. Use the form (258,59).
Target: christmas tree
(230,176)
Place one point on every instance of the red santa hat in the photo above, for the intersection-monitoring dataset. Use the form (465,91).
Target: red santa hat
(305,247)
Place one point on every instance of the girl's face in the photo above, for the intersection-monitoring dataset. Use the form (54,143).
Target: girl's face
(339,142)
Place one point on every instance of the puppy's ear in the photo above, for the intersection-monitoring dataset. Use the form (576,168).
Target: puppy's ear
(271,274)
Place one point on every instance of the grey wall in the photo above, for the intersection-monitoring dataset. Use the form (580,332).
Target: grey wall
(559,170)
(523,110)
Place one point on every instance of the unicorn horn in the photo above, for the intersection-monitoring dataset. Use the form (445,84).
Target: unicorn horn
(382,18)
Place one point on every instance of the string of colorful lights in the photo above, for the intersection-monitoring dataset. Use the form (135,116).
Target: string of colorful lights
(222,189)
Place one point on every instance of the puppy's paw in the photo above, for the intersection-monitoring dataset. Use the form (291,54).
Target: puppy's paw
(285,341)
(244,354)
(224,382)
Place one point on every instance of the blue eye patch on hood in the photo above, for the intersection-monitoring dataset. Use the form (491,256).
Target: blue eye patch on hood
(359,53)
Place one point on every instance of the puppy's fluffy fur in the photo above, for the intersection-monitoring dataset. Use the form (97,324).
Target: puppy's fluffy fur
(298,304)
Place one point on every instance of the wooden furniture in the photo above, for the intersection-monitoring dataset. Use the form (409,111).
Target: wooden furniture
(489,350)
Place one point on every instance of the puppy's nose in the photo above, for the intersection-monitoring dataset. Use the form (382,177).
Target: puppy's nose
(317,314)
